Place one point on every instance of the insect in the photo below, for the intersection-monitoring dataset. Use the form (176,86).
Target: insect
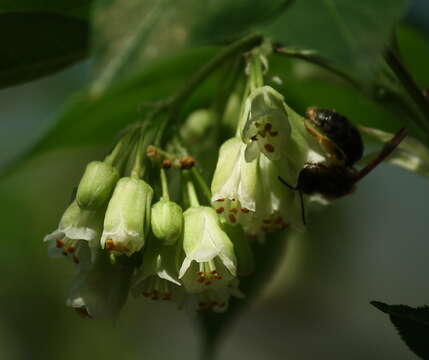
(343,144)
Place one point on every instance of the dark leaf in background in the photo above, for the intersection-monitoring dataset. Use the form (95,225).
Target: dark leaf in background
(38,44)
(412,325)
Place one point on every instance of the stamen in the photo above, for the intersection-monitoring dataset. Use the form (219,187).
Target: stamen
(59,244)
(233,210)
(110,245)
(220,210)
(83,311)
(268,127)
(220,200)
(244,210)
(232,218)
(274,133)
(207,273)
(269,147)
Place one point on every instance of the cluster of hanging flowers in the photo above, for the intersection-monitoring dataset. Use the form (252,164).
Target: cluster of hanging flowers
(138,223)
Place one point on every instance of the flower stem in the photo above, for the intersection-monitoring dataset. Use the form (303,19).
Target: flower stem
(202,184)
(175,103)
(192,193)
(164,185)
(256,75)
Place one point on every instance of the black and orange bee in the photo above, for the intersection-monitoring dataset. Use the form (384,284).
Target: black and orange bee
(341,140)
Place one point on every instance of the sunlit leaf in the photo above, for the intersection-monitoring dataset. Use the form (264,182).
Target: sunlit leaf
(412,325)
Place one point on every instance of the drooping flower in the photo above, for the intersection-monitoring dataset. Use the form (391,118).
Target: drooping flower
(76,226)
(210,261)
(218,300)
(249,192)
(158,276)
(96,185)
(127,217)
(274,129)
(100,289)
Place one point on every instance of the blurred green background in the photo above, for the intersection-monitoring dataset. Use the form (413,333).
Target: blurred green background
(372,245)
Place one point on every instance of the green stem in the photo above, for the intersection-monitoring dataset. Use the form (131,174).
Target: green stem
(192,193)
(164,185)
(410,85)
(311,57)
(118,149)
(256,75)
(175,103)
(202,184)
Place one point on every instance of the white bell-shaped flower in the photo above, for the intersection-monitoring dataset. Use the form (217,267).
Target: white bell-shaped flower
(127,217)
(76,226)
(210,260)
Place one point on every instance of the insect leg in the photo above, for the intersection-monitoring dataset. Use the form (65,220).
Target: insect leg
(283,181)
(301,197)
(384,153)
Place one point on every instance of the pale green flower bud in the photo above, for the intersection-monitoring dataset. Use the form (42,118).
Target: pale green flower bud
(197,124)
(210,260)
(100,289)
(167,221)
(96,185)
(127,216)
(76,225)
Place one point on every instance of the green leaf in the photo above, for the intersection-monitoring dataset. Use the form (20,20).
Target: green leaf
(410,154)
(118,43)
(38,44)
(90,120)
(267,257)
(412,325)
(350,33)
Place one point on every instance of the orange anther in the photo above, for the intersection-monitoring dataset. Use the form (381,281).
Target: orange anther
(274,133)
(269,147)
(232,218)
(151,151)
(166,164)
(233,210)
(244,210)
(187,162)
(220,210)
(110,244)
(59,243)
